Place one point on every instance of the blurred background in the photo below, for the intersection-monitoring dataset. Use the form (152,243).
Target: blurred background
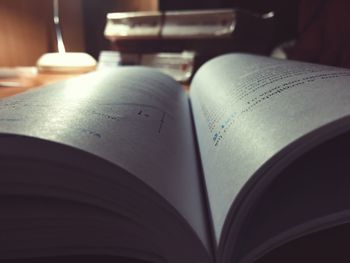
(27,31)
(319,28)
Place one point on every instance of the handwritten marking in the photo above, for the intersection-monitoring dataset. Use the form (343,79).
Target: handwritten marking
(162,121)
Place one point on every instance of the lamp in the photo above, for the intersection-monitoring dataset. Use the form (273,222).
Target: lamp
(62,61)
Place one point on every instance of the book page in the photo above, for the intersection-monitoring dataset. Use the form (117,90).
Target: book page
(308,196)
(135,118)
(247,110)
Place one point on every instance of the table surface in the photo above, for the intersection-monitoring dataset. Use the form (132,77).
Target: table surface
(11,85)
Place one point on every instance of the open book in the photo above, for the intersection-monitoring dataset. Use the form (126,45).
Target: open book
(123,164)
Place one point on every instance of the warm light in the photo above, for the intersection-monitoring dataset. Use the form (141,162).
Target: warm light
(64,62)
(69,62)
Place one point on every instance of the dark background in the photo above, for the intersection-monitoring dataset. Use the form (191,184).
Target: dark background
(95,16)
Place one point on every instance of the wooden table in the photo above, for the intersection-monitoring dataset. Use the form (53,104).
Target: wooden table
(12,85)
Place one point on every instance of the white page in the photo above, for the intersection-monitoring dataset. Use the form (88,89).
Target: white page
(249,108)
(135,118)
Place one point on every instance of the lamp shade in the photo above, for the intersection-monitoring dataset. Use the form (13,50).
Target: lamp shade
(62,61)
